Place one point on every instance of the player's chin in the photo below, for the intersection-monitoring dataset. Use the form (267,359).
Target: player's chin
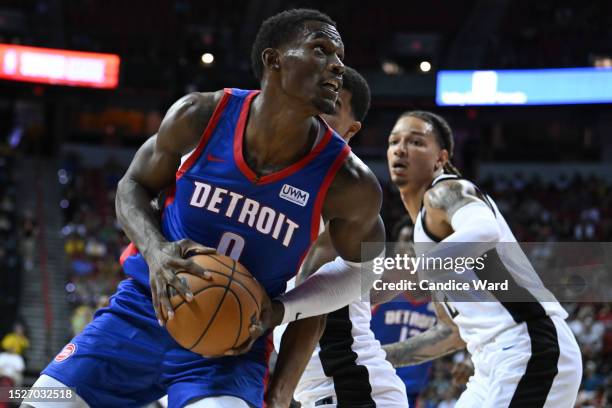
(399,181)
(325,106)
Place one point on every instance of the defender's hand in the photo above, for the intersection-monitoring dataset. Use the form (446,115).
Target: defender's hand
(272,313)
(164,264)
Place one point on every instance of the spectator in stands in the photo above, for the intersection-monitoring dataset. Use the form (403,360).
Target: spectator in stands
(12,367)
(28,241)
(81,317)
(16,341)
(591,380)
(588,332)
(449,400)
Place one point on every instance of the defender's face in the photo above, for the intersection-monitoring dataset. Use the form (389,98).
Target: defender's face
(312,68)
(342,119)
(412,152)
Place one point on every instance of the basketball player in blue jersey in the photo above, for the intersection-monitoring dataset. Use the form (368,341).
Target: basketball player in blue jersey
(523,352)
(405,316)
(249,173)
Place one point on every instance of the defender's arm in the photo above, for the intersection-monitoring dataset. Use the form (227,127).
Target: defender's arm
(438,341)
(301,336)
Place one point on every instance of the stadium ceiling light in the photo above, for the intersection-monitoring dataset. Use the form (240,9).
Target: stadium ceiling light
(425,66)
(390,68)
(207,58)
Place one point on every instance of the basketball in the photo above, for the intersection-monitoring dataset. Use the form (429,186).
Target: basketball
(222,309)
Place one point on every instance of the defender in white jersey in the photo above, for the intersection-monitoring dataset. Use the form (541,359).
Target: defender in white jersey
(347,367)
(524,353)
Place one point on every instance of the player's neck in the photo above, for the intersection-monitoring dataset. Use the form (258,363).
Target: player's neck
(412,198)
(276,133)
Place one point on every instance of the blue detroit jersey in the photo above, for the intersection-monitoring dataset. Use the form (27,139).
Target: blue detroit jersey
(267,223)
(399,320)
(124,358)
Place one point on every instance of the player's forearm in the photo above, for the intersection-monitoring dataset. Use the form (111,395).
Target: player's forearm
(334,285)
(138,220)
(297,346)
(390,276)
(436,342)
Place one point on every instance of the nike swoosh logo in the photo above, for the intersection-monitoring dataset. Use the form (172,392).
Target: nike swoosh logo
(212,158)
(507,347)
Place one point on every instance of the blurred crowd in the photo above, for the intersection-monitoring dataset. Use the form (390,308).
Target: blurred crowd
(93,239)
(16,251)
(10,260)
(568,209)
(551,33)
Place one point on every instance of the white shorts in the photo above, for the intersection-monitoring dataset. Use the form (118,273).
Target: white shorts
(386,390)
(534,364)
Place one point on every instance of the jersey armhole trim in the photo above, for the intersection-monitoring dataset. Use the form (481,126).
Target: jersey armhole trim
(329,177)
(130,250)
(427,232)
(208,131)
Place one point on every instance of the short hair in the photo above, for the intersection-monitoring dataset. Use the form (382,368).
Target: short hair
(443,132)
(280,29)
(360,92)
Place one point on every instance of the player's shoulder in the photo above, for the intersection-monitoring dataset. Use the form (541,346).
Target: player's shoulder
(195,106)
(355,176)
(186,120)
(355,186)
(442,189)
(451,193)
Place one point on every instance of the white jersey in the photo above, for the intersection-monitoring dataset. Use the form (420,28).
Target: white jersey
(349,366)
(480,322)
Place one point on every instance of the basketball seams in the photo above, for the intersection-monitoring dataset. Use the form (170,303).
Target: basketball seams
(242,285)
(197,293)
(249,276)
(238,282)
(239,303)
(212,318)
(227,266)
(222,306)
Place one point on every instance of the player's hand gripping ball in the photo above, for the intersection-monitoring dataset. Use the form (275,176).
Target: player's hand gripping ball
(223,308)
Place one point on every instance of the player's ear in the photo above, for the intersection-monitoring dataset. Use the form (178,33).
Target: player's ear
(353,129)
(442,159)
(271,59)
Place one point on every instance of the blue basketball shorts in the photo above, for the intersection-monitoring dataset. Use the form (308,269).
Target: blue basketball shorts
(124,358)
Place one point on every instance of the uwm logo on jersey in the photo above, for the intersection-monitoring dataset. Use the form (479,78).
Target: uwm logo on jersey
(294,194)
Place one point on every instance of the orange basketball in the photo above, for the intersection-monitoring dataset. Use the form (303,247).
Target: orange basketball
(222,309)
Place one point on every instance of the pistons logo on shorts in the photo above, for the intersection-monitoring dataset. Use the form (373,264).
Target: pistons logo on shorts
(68,350)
